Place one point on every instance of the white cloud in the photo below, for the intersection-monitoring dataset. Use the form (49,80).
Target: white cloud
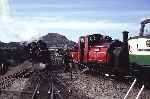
(25,28)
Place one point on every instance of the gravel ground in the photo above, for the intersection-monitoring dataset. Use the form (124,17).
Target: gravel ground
(100,87)
(19,84)
(14,92)
(86,86)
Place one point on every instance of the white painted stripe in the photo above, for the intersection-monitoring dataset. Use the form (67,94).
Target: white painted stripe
(137,97)
(130,88)
(140,53)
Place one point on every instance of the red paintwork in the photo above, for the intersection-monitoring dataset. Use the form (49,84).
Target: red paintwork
(98,54)
(95,53)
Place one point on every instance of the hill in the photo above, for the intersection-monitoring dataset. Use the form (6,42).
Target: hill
(56,40)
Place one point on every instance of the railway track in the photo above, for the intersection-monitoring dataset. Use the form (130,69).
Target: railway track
(7,81)
(48,89)
(49,85)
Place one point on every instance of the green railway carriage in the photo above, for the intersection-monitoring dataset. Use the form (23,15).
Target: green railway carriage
(139,46)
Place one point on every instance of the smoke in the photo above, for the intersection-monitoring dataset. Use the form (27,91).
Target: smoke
(6,22)
(4,9)
(12,29)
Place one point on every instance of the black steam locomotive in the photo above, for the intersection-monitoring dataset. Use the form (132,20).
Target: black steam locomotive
(38,53)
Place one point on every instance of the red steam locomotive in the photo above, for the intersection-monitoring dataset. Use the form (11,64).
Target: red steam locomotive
(102,53)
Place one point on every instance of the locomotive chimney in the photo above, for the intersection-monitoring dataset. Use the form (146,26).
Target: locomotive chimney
(126,50)
(125,36)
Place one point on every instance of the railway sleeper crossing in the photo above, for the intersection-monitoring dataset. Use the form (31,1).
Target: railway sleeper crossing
(7,81)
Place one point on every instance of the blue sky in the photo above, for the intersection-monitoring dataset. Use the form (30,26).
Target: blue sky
(72,18)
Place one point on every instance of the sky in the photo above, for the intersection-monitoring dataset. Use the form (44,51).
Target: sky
(29,19)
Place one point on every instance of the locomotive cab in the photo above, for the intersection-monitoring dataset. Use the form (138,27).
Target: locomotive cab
(98,49)
(93,49)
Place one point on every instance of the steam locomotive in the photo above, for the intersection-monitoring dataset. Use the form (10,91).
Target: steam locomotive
(38,53)
(102,53)
(139,46)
